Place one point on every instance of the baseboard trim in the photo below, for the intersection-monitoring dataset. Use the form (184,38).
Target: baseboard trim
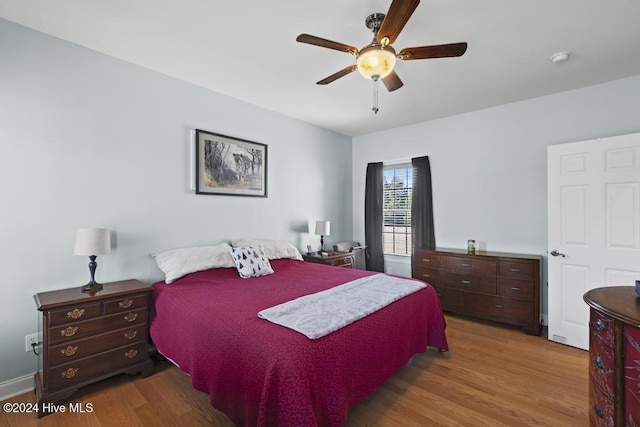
(16,386)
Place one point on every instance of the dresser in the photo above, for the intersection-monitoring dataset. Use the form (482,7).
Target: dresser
(614,356)
(340,259)
(87,337)
(500,287)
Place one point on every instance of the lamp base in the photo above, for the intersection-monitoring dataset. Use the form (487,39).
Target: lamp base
(92,286)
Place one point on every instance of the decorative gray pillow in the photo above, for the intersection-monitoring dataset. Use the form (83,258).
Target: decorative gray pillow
(251,261)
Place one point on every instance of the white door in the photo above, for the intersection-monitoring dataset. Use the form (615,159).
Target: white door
(593,227)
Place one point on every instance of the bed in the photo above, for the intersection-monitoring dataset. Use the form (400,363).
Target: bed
(263,374)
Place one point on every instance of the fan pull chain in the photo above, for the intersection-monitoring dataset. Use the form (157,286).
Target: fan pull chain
(375,96)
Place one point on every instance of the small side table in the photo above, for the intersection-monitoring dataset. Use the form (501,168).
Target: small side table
(87,337)
(336,259)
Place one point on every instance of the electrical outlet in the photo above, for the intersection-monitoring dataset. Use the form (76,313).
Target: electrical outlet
(32,339)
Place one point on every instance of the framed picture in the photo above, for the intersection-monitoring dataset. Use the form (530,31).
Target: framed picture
(230,166)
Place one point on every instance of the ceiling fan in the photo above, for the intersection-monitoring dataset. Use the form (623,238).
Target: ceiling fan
(376,60)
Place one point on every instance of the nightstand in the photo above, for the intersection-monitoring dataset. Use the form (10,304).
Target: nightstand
(337,259)
(87,337)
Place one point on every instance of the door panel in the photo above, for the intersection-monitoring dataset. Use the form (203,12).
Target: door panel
(593,224)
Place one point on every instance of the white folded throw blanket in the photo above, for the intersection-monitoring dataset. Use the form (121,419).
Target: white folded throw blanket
(319,314)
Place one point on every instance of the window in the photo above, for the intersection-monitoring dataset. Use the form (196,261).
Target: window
(396,209)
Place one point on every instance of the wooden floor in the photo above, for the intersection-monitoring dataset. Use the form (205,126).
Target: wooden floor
(492,376)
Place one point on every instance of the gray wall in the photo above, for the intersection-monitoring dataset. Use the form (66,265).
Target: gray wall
(489,167)
(87,140)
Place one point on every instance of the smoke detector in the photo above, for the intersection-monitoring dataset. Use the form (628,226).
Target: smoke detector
(560,57)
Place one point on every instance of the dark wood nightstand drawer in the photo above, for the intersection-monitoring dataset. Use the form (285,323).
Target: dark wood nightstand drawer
(468,282)
(468,264)
(88,368)
(89,328)
(75,313)
(126,304)
(340,259)
(65,353)
(340,262)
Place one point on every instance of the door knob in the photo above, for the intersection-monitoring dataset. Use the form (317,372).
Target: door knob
(556,253)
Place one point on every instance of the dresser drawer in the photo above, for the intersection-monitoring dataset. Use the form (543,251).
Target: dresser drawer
(515,288)
(89,328)
(468,282)
(341,262)
(73,350)
(521,270)
(429,275)
(601,365)
(500,309)
(75,313)
(451,299)
(468,265)
(126,303)
(90,367)
(602,327)
(426,258)
(601,410)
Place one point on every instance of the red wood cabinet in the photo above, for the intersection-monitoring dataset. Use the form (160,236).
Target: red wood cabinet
(614,356)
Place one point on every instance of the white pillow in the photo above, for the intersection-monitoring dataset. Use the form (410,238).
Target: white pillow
(251,262)
(176,263)
(273,249)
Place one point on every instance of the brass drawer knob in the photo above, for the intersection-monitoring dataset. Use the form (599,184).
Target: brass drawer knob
(131,354)
(130,334)
(70,373)
(131,317)
(75,313)
(125,303)
(69,331)
(69,351)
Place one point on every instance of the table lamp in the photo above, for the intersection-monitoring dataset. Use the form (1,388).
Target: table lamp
(92,242)
(322,229)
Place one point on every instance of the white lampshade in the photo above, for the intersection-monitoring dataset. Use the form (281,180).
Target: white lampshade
(92,241)
(323,228)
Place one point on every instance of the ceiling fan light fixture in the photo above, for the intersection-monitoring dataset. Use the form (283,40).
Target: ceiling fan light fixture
(376,62)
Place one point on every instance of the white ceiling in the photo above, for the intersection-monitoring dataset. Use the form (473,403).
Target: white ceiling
(247,50)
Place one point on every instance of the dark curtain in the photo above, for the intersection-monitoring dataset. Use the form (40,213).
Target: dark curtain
(423,233)
(373,217)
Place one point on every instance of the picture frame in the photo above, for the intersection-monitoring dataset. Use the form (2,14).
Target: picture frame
(230,166)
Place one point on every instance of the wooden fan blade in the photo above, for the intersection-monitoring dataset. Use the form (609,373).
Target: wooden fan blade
(436,51)
(348,70)
(392,81)
(318,41)
(399,13)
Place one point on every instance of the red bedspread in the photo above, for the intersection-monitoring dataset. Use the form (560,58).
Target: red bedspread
(262,374)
